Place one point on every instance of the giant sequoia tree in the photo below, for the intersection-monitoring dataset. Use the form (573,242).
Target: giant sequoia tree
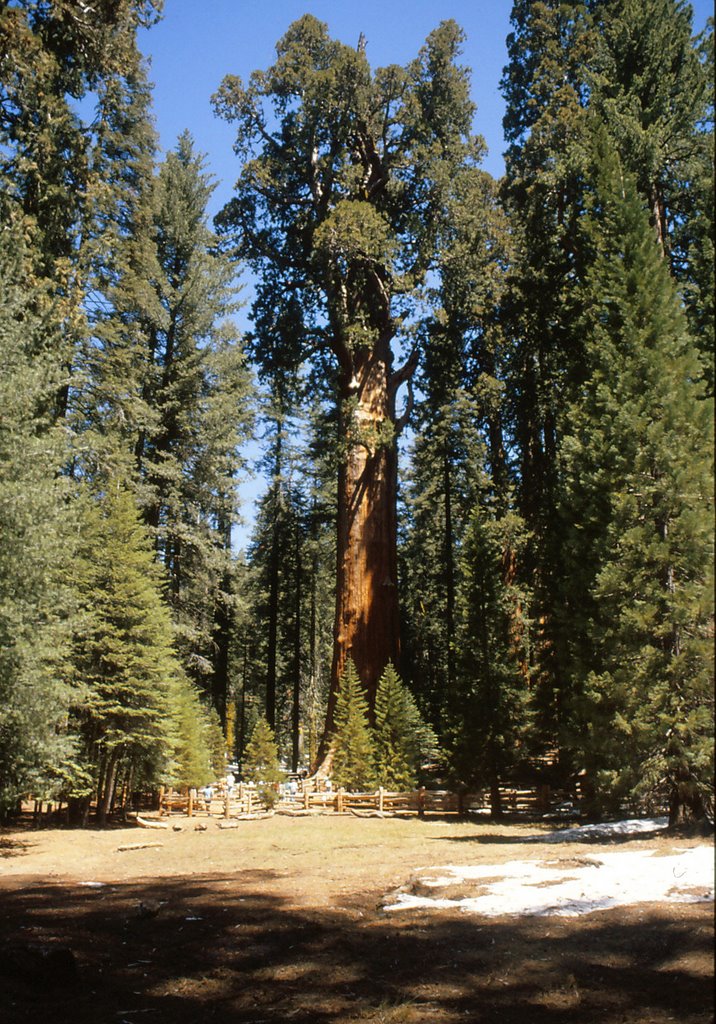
(337,210)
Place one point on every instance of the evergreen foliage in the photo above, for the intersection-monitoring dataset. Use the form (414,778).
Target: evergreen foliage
(196,388)
(403,742)
(639,505)
(353,765)
(261,763)
(491,714)
(446,476)
(125,669)
(337,210)
(653,90)
(544,85)
(198,750)
(556,549)
(35,539)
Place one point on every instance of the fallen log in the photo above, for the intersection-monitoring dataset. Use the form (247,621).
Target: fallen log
(289,812)
(139,846)
(234,822)
(146,823)
(367,814)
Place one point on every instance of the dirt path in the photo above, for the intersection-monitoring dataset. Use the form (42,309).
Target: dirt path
(282,920)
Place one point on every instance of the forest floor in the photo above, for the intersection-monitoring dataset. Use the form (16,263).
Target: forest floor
(286,920)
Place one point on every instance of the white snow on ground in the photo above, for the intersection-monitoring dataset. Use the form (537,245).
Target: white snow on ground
(603,830)
(588,883)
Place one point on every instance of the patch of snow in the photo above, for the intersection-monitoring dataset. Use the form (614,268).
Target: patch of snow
(612,880)
(602,830)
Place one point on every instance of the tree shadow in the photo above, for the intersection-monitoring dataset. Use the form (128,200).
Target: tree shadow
(14,847)
(223,948)
(543,839)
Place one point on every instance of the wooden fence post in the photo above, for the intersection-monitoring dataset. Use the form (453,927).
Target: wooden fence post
(227,803)
(248,801)
(190,804)
(380,799)
(306,799)
(421,802)
(339,801)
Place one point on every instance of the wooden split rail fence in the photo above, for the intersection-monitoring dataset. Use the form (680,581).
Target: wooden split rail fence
(244,800)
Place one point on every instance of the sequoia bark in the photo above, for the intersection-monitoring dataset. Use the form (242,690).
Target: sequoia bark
(367,616)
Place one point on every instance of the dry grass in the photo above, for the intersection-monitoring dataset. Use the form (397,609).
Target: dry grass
(280,921)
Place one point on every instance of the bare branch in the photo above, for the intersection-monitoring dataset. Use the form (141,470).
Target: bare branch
(402,421)
(404,373)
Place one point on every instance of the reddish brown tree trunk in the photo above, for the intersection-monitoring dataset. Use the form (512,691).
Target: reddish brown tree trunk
(367,617)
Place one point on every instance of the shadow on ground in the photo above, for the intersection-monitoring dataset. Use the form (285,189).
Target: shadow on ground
(221,949)
(586,839)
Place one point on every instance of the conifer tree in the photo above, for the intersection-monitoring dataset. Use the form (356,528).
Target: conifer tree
(403,742)
(490,717)
(261,762)
(164,398)
(651,85)
(445,479)
(693,240)
(196,387)
(353,764)
(638,521)
(458,431)
(198,753)
(124,666)
(108,411)
(51,56)
(544,86)
(35,539)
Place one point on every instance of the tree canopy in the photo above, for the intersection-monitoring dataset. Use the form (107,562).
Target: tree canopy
(482,551)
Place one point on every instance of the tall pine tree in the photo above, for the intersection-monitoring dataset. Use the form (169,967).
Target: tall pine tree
(125,669)
(638,521)
(35,539)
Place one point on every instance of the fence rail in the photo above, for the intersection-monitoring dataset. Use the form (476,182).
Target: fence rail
(245,800)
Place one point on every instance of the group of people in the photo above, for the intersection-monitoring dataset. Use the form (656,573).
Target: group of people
(208,790)
(291,788)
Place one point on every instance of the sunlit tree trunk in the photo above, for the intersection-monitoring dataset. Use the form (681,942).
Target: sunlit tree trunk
(367,622)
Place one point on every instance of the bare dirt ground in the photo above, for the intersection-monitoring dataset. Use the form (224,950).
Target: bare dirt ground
(282,920)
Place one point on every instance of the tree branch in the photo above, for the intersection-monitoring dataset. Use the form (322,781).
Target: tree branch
(404,373)
(402,420)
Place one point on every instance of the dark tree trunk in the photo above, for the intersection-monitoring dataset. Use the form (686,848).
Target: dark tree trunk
(106,794)
(449,575)
(222,638)
(271,655)
(223,623)
(296,696)
(274,573)
(686,803)
(242,707)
